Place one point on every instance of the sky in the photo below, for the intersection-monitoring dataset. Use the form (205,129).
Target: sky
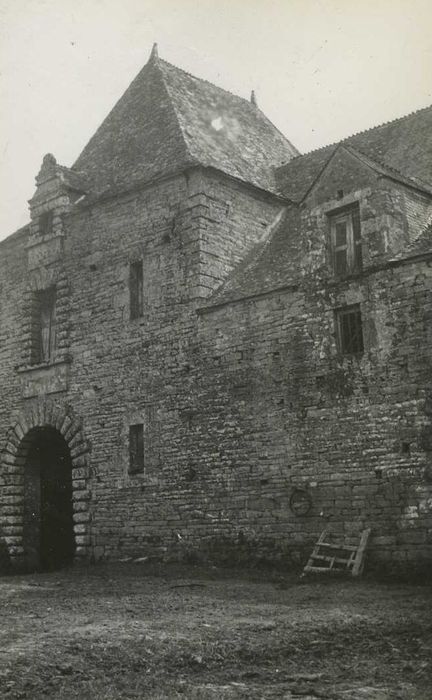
(321,69)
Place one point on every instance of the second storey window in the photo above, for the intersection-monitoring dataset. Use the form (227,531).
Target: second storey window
(349,330)
(44,330)
(136,289)
(346,241)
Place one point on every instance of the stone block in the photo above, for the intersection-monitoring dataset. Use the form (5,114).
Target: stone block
(81,517)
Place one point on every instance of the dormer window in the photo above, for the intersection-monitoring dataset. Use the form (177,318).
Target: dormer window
(46,223)
(346,244)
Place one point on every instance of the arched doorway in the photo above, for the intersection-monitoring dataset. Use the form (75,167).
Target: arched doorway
(48,536)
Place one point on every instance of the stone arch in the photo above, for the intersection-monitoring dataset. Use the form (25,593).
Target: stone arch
(43,414)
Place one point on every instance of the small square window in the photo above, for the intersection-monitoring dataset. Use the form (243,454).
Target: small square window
(346,244)
(349,330)
(136,448)
(136,289)
(46,223)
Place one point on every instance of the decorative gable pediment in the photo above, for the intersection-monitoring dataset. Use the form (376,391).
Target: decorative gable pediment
(57,189)
(343,173)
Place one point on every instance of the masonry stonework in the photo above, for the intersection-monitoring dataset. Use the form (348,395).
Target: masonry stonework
(234,368)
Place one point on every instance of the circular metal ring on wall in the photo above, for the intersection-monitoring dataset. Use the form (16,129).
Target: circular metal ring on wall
(300,502)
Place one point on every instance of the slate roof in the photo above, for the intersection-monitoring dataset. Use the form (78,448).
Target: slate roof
(272,263)
(163,123)
(421,245)
(403,146)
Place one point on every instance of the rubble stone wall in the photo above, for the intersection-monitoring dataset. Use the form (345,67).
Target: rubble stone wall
(292,414)
(241,404)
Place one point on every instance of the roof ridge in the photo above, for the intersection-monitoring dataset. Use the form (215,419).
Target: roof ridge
(157,64)
(208,82)
(363,131)
(264,115)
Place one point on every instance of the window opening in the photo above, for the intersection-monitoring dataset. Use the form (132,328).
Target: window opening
(346,241)
(350,330)
(46,222)
(136,448)
(44,325)
(136,289)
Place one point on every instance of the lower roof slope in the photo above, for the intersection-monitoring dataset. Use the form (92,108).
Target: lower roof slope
(167,120)
(272,263)
(404,145)
(420,246)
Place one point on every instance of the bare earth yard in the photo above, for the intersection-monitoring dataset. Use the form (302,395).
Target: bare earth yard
(135,631)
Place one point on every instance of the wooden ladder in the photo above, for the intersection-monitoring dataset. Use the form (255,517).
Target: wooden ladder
(336,556)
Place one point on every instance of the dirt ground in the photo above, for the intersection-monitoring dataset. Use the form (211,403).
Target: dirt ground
(135,631)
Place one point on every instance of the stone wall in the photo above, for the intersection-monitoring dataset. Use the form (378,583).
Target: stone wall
(283,410)
(12,286)
(286,411)
(121,371)
(241,403)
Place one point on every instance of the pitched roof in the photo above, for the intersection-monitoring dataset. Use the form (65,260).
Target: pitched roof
(167,120)
(419,246)
(272,263)
(388,171)
(403,145)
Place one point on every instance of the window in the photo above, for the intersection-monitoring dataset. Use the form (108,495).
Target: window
(46,223)
(44,331)
(349,330)
(136,448)
(346,241)
(136,289)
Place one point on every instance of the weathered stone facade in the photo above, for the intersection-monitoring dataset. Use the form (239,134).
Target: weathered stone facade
(233,369)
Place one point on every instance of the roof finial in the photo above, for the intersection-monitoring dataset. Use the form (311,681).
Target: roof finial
(154,53)
(48,168)
(253,99)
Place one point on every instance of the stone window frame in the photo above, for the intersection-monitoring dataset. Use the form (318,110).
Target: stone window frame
(136,449)
(46,222)
(136,289)
(43,313)
(349,321)
(148,417)
(40,281)
(349,216)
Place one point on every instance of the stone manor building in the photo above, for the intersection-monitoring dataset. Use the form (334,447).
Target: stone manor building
(214,346)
